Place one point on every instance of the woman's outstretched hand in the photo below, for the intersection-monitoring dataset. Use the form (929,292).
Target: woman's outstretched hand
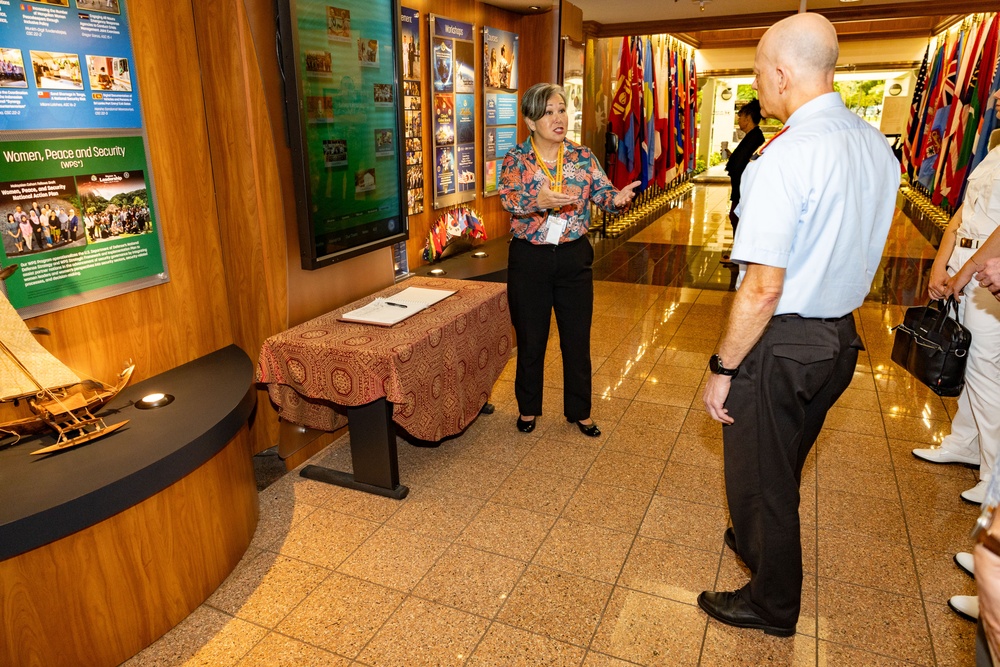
(549,198)
(626,194)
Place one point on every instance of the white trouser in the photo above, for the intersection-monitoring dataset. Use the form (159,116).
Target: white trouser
(977,423)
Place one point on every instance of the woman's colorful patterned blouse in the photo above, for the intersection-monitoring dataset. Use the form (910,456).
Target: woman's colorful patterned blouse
(522,178)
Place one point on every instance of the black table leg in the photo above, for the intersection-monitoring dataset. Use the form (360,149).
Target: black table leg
(373,453)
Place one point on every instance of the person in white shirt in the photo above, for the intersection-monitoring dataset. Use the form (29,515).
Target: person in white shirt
(815,209)
(965,248)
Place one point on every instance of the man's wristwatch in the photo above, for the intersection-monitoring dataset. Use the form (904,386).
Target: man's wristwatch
(715,365)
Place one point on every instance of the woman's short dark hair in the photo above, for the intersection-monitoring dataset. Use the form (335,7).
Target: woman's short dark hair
(535,98)
(752,108)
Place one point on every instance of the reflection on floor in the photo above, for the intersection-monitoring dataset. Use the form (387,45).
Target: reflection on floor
(686,248)
(554,549)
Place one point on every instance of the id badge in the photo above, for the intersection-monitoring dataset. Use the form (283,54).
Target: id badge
(554,228)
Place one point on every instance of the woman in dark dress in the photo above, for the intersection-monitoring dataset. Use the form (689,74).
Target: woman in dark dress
(749,121)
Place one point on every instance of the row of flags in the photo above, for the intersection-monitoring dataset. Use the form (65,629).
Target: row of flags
(460,221)
(949,127)
(653,112)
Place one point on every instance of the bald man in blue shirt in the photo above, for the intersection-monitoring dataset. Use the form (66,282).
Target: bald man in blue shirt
(815,208)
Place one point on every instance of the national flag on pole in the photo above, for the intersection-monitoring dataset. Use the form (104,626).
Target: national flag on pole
(976,104)
(637,96)
(693,106)
(622,102)
(621,105)
(912,124)
(649,117)
(625,116)
(660,123)
(946,184)
(679,94)
(441,233)
(989,122)
(671,113)
(937,113)
(476,228)
(918,151)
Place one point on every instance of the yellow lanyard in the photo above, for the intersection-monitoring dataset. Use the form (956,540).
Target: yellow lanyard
(556,180)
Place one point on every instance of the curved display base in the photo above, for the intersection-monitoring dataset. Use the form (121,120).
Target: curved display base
(103,594)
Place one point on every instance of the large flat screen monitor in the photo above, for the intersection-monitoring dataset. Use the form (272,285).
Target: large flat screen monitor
(339,60)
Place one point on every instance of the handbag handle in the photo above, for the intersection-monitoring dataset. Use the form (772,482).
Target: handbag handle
(950,306)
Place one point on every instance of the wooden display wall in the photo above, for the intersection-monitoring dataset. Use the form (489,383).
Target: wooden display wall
(167,325)
(223,181)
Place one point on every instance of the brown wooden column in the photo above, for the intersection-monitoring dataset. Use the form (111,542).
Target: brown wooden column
(104,593)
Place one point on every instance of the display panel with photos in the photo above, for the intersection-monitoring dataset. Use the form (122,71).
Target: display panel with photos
(78,228)
(409,20)
(67,69)
(500,58)
(345,124)
(453,68)
(76,188)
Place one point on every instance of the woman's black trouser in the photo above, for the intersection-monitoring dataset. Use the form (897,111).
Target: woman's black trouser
(541,278)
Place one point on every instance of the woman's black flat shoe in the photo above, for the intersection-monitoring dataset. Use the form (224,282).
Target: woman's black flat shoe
(587,429)
(525,426)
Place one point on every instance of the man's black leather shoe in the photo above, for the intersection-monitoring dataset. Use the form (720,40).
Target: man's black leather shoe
(729,537)
(729,608)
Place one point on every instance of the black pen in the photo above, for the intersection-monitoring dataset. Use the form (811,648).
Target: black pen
(398,305)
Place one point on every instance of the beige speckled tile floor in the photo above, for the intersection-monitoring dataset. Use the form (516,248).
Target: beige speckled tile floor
(555,549)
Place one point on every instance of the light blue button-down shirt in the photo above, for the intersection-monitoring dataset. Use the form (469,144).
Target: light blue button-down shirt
(818,202)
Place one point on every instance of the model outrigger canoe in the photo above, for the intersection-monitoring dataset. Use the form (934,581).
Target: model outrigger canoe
(57,397)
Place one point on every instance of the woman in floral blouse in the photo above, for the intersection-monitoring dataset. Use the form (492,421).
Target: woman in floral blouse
(547,184)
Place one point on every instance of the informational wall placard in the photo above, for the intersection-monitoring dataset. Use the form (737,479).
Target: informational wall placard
(345,117)
(500,106)
(78,218)
(412,103)
(453,70)
(66,66)
(77,204)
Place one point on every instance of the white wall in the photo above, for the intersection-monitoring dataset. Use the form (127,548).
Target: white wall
(723,116)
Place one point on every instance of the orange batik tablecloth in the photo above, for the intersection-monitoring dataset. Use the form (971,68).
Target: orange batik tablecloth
(437,367)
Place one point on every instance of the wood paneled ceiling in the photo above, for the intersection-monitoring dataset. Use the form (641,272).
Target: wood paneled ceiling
(863,20)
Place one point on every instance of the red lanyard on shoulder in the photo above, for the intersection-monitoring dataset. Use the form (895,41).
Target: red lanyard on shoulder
(760,151)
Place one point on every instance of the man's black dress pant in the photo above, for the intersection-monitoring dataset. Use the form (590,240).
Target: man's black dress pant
(778,402)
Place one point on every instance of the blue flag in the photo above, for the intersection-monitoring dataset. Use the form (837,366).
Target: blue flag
(648,174)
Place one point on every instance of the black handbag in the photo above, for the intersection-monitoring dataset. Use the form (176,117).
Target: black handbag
(933,346)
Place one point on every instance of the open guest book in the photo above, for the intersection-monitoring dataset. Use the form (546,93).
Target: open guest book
(387,311)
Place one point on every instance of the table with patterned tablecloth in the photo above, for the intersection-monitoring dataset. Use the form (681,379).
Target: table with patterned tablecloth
(435,369)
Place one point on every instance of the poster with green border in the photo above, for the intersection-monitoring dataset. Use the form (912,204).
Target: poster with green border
(78,219)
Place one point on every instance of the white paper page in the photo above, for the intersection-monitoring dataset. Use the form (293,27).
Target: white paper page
(422,295)
(383,311)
